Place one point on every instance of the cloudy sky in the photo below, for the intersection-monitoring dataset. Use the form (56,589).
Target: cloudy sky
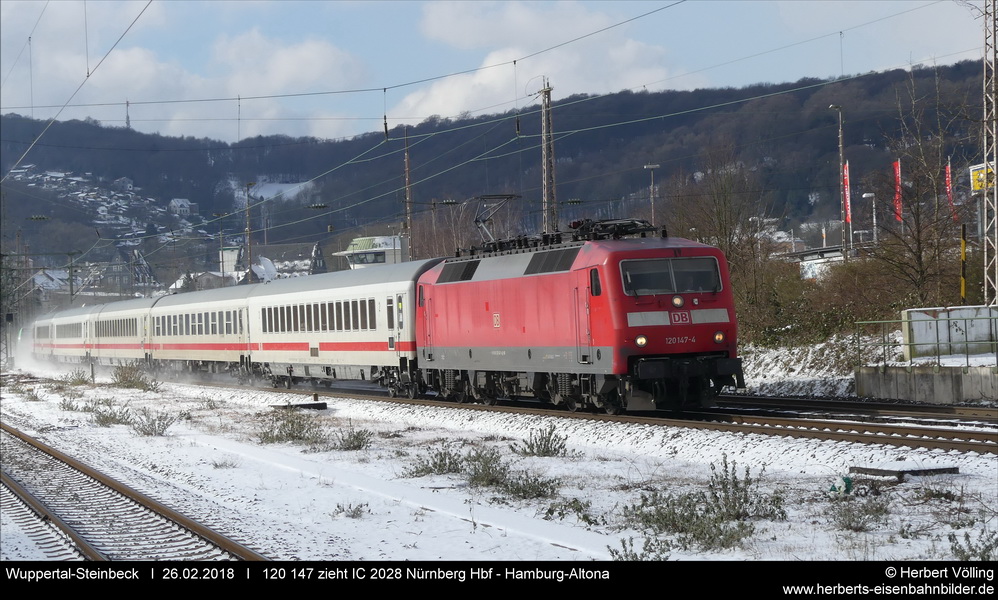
(230,70)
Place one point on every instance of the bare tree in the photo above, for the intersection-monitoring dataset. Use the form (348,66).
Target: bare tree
(918,228)
(721,204)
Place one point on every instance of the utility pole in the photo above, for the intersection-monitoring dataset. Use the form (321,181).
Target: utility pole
(548,204)
(651,190)
(842,187)
(249,244)
(408,198)
(990,139)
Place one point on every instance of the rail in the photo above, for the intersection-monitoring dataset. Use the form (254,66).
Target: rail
(947,347)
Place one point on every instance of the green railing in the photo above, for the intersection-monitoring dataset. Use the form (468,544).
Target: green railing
(947,341)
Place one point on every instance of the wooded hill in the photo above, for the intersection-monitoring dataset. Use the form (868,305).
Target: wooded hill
(784,134)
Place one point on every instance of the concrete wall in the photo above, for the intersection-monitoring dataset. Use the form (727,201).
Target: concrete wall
(929,384)
(950,330)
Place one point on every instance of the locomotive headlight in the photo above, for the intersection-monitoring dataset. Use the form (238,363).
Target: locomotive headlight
(719,337)
(641,341)
(678,301)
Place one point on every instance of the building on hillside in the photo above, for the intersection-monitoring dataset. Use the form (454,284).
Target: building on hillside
(129,274)
(182,207)
(378,250)
(123,184)
(208,280)
(281,261)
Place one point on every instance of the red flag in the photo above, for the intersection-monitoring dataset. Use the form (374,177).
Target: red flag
(949,191)
(847,195)
(897,190)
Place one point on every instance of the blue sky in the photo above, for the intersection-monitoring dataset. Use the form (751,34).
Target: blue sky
(227,61)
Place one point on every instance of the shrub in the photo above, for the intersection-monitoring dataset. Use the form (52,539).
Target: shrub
(149,423)
(133,376)
(579,508)
(529,486)
(353,439)
(350,511)
(542,442)
(291,425)
(986,549)
(711,519)
(107,413)
(485,468)
(442,461)
(654,550)
(76,377)
(855,513)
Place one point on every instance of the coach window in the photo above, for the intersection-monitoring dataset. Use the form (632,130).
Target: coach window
(372,314)
(363,315)
(391,314)
(339,316)
(354,313)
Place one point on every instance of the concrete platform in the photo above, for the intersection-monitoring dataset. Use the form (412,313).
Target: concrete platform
(931,384)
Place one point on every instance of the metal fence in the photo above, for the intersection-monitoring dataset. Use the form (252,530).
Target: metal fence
(960,340)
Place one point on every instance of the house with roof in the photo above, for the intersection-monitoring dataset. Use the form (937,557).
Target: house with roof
(182,207)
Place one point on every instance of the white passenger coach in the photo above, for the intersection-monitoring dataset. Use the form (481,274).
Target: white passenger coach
(355,324)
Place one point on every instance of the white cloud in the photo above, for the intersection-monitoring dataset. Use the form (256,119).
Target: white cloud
(606,62)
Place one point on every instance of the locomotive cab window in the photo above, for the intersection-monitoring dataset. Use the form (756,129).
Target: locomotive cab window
(595,288)
(670,276)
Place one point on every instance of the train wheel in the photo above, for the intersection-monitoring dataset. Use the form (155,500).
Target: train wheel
(611,403)
(411,392)
(392,390)
(566,401)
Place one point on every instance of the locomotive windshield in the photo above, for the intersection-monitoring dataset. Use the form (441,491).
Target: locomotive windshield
(670,276)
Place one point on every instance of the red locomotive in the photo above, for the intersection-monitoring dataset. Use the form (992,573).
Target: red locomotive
(637,323)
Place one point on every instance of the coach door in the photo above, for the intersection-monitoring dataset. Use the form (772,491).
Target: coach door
(393,314)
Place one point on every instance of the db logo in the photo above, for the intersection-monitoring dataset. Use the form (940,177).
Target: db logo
(681,317)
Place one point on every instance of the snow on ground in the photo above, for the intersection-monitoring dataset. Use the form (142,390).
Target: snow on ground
(318,502)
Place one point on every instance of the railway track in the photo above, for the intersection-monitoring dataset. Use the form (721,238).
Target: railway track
(960,433)
(981,414)
(105,519)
